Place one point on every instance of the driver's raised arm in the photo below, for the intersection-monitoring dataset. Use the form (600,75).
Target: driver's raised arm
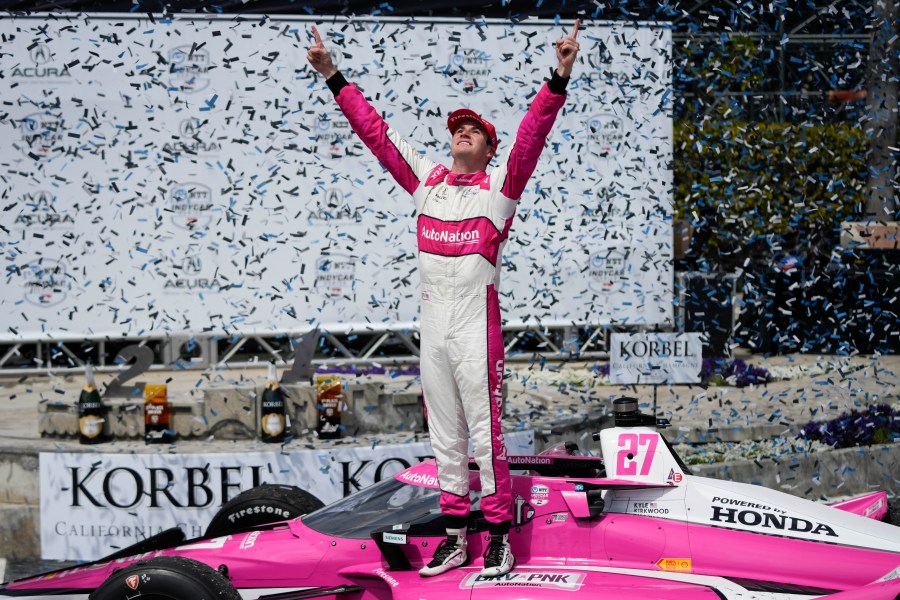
(401,160)
(538,121)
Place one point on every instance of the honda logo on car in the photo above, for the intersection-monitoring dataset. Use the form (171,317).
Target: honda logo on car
(759,515)
(557,580)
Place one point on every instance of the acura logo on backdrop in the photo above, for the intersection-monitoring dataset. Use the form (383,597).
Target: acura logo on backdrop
(41,56)
(192,139)
(192,204)
(333,209)
(38,208)
(187,274)
(189,68)
(189,127)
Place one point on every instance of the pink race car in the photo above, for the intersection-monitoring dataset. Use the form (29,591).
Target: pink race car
(637,525)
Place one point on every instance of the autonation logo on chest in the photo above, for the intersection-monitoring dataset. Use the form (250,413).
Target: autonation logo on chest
(655,358)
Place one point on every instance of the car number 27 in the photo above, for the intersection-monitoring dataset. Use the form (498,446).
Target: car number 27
(636,447)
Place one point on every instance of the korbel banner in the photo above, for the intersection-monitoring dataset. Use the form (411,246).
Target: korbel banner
(655,358)
(193,175)
(95,504)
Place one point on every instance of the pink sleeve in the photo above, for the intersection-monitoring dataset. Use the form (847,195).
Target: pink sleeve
(530,138)
(394,153)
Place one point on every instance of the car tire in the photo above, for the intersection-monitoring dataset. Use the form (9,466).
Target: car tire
(167,578)
(263,504)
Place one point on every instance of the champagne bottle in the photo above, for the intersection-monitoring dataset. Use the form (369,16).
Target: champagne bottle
(273,426)
(90,411)
(329,398)
(157,415)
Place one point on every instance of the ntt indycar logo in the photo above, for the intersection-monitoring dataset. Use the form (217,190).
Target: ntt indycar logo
(451,237)
(469,70)
(46,282)
(189,69)
(191,204)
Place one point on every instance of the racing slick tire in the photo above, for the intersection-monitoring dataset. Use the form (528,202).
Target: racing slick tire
(167,578)
(263,504)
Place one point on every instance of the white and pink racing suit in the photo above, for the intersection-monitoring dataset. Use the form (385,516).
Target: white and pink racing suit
(463,224)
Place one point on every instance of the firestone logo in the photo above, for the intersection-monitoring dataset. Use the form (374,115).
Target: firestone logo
(189,69)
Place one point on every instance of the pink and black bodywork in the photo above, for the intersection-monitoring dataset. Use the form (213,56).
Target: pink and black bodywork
(635,524)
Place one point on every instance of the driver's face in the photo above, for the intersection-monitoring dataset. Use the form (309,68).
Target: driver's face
(470,140)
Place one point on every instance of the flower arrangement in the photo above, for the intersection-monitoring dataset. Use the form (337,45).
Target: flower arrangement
(876,424)
(719,371)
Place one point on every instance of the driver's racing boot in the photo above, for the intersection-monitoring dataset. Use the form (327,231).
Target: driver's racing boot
(450,553)
(498,558)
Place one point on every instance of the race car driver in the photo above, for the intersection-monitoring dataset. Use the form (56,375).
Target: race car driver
(464,218)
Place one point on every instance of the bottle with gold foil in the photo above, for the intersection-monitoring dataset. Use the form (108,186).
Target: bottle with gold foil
(157,415)
(273,425)
(328,399)
(91,417)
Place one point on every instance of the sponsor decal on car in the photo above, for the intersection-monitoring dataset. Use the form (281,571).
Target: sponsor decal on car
(386,577)
(556,580)
(422,479)
(133,581)
(751,514)
(875,507)
(674,564)
(393,538)
(647,508)
(540,495)
(249,541)
(561,517)
(674,476)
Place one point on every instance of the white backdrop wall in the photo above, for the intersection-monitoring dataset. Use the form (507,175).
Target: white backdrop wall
(193,175)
